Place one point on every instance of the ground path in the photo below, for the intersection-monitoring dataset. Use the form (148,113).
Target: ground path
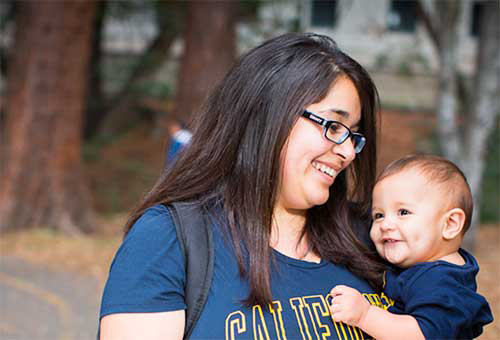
(39,304)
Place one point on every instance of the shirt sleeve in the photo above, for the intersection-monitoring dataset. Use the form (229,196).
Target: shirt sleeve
(148,271)
(444,307)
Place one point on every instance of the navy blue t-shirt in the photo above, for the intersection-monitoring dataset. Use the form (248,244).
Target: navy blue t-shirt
(148,275)
(442,297)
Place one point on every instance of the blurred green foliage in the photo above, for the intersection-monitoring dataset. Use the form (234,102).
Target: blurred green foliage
(490,202)
(158,90)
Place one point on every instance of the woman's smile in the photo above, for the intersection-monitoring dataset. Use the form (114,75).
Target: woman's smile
(327,170)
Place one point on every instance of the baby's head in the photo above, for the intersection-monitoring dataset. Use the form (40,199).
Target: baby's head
(422,206)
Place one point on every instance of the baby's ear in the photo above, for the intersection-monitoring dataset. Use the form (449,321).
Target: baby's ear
(454,221)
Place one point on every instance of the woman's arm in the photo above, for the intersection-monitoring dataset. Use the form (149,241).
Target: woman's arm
(350,307)
(144,326)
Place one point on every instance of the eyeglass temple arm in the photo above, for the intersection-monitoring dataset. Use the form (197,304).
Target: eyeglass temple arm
(314,118)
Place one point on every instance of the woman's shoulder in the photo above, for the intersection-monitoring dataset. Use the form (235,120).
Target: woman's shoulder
(151,232)
(147,273)
(156,219)
(157,212)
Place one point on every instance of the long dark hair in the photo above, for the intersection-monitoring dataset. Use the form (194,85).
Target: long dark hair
(233,160)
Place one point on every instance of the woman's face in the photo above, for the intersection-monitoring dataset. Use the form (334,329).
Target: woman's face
(310,163)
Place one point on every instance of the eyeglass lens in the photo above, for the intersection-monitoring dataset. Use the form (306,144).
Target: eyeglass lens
(339,133)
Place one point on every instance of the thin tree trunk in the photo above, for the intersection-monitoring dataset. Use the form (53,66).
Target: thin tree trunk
(448,14)
(43,183)
(95,101)
(121,109)
(486,104)
(479,105)
(209,51)
(447,107)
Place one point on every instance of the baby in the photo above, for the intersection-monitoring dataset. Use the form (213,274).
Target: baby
(421,208)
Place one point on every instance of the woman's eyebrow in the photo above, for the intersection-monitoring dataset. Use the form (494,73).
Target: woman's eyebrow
(343,114)
(340,112)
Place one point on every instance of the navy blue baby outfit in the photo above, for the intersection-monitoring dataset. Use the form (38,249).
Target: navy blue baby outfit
(442,297)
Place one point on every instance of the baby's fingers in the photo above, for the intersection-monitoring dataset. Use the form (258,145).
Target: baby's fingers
(336,305)
(338,290)
(336,313)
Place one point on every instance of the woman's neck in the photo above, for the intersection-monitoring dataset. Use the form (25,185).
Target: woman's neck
(286,235)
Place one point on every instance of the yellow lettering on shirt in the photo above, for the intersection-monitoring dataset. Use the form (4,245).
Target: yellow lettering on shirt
(312,315)
(259,324)
(235,322)
(276,309)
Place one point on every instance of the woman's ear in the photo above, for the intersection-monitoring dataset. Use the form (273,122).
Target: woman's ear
(453,223)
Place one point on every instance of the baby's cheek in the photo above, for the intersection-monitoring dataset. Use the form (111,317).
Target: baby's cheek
(374,234)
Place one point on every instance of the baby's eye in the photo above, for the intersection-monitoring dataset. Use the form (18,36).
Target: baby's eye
(403,212)
(376,216)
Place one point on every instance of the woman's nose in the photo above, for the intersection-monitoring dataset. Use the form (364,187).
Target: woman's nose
(345,150)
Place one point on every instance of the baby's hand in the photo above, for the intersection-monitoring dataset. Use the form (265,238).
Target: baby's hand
(348,305)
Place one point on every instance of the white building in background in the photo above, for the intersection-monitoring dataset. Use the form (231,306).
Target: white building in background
(378,33)
(385,36)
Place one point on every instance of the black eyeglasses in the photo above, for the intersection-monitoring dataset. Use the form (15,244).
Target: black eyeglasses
(337,132)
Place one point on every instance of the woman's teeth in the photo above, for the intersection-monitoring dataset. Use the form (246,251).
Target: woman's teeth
(323,168)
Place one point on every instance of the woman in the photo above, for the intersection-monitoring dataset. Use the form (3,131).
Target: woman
(276,158)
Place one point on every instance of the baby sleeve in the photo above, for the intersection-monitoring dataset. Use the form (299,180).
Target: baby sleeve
(444,306)
(147,273)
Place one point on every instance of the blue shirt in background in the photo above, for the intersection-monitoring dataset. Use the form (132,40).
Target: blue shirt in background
(179,139)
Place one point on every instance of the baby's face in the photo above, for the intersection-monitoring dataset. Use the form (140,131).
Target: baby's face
(408,218)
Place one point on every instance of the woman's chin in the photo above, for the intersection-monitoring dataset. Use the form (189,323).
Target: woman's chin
(320,198)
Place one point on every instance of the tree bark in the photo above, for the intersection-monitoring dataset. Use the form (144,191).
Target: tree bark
(94,112)
(442,20)
(209,51)
(121,108)
(43,183)
(446,15)
(485,107)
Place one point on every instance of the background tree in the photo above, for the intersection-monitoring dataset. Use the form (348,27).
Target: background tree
(467,111)
(43,183)
(115,112)
(94,111)
(209,51)
(123,108)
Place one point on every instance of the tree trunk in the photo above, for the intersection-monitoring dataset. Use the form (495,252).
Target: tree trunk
(449,13)
(209,51)
(442,20)
(485,106)
(122,108)
(95,100)
(43,182)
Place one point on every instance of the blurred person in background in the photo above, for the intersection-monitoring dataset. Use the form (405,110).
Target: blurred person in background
(179,138)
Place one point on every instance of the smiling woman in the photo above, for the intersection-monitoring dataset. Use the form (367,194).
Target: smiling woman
(311,161)
(274,184)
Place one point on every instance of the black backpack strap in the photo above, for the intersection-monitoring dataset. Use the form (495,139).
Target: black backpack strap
(195,238)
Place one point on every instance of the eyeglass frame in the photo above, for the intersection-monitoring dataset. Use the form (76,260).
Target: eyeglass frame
(326,123)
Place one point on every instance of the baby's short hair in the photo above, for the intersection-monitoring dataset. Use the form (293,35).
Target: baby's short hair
(440,171)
